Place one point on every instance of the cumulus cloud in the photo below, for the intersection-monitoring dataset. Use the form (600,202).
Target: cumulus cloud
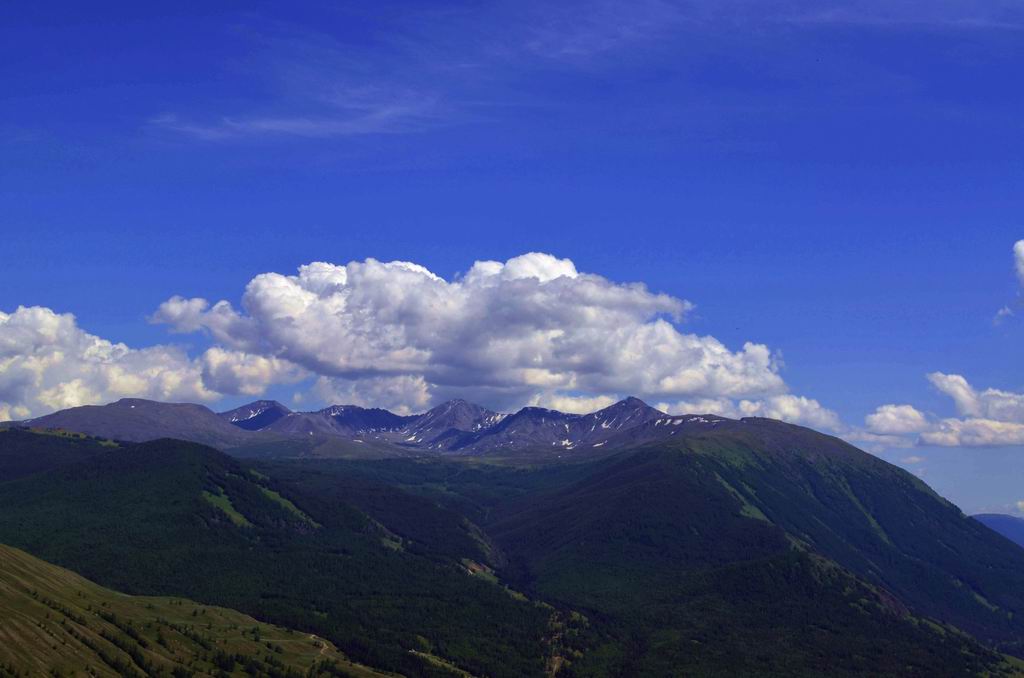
(974,433)
(532,324)
(533,330)
(47,363)
(403,394)
(988,418)
(988,404)
(795,409)
(239,373)
(896,420)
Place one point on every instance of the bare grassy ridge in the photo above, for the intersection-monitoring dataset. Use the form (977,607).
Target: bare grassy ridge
(55,622)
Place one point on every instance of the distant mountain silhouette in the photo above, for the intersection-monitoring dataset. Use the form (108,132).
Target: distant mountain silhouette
(1010,527)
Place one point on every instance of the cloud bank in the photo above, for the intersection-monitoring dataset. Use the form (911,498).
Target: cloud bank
(47,363)
(988,418)
(991,417)
(530,329)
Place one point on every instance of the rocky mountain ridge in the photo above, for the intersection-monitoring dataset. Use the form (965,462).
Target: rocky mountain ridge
(456,427)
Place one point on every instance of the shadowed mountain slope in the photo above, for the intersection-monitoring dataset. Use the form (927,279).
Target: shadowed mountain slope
(738,548)
(555,433)
(256,415)
(622,539)
(348,421)
(137,420)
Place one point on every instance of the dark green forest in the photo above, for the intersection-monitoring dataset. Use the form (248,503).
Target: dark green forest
(773,551)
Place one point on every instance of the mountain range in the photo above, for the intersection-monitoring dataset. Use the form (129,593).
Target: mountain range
(449,543)
(455,427)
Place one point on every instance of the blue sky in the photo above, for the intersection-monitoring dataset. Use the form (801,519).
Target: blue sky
(841,185)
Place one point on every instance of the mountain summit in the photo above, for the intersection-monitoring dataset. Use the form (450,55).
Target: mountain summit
(256,415)
(448,420)
(138,420)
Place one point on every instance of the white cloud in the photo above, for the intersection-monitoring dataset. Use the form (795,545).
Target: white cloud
(956,387)
(974,432)
(723,407)
(991,417)
(988,418)
(238,373)
(1018,261)
(47,363)
(988,404)
(1020,506)
(1018,258)
(186,312)
(533,324)
(794,409)
(785,407)
(896,420)
(402,394)
(913,459)
(572,404)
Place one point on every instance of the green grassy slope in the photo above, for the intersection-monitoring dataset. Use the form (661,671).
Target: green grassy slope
(58,623)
